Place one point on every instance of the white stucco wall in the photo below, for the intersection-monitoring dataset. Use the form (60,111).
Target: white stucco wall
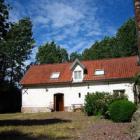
(44,96)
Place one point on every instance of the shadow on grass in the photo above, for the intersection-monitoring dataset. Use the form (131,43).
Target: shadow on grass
(31,122)
(16,135)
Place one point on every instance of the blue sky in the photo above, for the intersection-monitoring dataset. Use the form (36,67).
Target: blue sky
(72,24)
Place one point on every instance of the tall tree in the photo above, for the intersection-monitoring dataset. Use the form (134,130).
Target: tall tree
(123,44)
(75,55)
(4,26)
(51,53)
(4,15)
(137,19)
(126,39)
(17,48)
(102,49)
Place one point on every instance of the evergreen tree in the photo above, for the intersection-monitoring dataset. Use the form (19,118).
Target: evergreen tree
(16,49)
(51,53)
(123,44)
(4,26)
(75,55)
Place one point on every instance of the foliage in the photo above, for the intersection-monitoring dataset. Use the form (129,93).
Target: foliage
(4,15)
(16,49)
(127,39)
(4,26)
(75,55)
(100,50)
(51,53)
(98,102)
(123,44)
(121,110)
(16,43)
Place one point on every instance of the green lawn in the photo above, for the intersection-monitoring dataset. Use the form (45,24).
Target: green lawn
(41,126)
(60,125)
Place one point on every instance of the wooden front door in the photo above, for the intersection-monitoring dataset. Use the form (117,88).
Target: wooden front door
(59,102)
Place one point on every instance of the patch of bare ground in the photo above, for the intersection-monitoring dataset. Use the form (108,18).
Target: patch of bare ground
(102,129)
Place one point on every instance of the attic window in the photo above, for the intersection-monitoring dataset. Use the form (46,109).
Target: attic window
(77,74)
(85,71)
(99,72)
(55,75)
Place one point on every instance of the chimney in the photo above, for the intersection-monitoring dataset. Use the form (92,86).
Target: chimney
(137,19)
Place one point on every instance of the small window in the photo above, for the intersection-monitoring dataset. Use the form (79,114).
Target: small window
(79,95)
(119,92)
(85,71)
(55,75)
(99,72)
(77,74)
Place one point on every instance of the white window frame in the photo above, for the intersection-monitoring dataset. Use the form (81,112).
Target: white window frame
(77,75)
(55,75)
(99,72)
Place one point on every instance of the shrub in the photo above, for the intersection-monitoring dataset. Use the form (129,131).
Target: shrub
(121,110)
(97,103)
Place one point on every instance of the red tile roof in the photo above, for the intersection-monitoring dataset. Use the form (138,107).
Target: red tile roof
(116,68)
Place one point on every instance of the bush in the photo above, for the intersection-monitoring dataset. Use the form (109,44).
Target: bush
(121,110)
(97,103)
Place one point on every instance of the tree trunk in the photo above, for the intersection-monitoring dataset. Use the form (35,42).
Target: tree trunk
(137,19)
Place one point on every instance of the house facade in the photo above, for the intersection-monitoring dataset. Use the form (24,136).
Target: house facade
(63,87)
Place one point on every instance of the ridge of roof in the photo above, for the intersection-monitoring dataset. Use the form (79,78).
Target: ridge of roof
(113,58)
(83,61)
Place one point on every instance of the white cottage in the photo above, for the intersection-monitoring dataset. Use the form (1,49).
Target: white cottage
(61,87)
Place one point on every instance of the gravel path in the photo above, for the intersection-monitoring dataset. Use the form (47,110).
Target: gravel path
(107,130)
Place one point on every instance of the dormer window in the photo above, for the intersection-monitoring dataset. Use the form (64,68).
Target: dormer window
(77,69)
(55,75)
(77,75)
(99,72)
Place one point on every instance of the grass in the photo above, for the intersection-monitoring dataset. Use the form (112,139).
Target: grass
(59,126)
(41,126)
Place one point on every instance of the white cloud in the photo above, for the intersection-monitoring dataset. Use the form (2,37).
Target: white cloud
(94,32)
(80,45)
(62,15)
(40,20)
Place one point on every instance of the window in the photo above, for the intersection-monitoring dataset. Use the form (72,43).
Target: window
(85,71)
(99,72)
(119,92)
(79,95)
(55,75)
(77,74)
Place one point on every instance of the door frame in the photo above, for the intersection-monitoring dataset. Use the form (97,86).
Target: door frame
(59,100)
